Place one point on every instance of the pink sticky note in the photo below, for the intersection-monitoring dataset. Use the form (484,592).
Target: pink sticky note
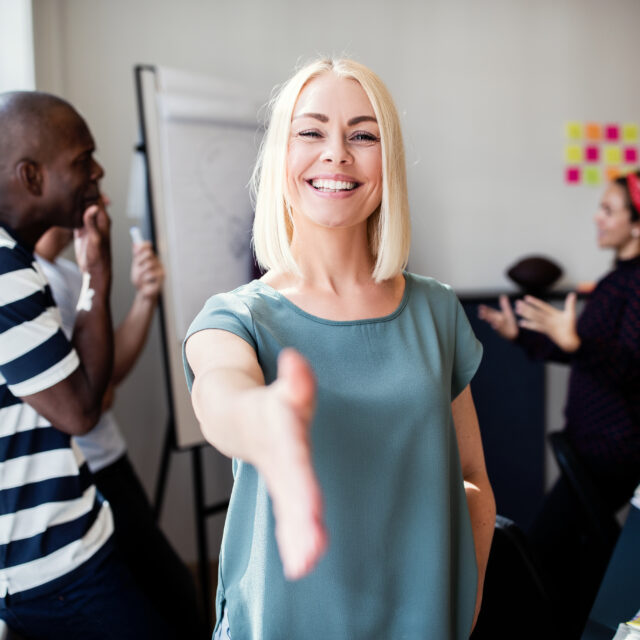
(630,155)
(572,175)
(592,154)
(612,132)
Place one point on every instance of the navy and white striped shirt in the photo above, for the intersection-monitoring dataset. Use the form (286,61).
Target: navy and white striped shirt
(52,519)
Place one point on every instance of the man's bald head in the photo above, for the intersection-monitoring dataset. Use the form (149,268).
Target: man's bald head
(33,125)
(48,175)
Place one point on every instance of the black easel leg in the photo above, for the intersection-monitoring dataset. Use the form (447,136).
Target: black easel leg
(163,472)
(201,534)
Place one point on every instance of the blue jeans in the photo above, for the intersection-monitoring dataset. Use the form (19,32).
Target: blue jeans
(103,604)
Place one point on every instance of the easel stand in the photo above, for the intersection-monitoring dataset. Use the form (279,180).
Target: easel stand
(202,510)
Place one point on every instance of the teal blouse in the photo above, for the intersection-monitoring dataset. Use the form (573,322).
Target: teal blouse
(401,560)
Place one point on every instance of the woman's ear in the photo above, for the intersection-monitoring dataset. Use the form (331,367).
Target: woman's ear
(30,176)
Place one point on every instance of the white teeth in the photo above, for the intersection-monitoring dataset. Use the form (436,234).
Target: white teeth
(333,185)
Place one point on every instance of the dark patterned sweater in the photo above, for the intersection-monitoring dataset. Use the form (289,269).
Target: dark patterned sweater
(603,404)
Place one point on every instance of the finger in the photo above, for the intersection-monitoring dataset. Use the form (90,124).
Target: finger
(89,217)
(298,381)
(539,304)
(570,303)
(505,306)
(531,325)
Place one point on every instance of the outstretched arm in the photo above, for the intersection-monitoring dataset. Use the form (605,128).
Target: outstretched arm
(482,506)
(267,426)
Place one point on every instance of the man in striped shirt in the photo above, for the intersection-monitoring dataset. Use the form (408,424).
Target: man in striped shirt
(59,576)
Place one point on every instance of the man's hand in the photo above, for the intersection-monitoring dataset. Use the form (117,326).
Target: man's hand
(92,241)
(557,324)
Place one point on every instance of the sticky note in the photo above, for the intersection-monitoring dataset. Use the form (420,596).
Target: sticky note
(630,155)
(612,155)
(592,176)
(612,132)
(592,131)
(572,175)
(573,154)
(612,173)
(630,132)
(592,153)
(573,130)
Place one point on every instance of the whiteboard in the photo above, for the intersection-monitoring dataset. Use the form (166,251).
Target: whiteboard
(200,136)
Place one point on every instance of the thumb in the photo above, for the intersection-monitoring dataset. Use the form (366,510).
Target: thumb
(89,217)
(570,303)
(296,379)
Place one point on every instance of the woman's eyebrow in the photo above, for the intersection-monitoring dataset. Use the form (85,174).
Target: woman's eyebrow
(317,116)
(323,118)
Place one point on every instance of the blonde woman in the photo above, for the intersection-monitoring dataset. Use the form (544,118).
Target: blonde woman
(338,383)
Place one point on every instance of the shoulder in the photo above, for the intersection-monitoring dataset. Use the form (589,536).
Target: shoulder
(432,290)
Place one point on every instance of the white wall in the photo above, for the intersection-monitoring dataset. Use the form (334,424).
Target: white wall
(484,88)
(16,46)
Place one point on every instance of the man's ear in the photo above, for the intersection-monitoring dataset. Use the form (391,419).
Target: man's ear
(30,176)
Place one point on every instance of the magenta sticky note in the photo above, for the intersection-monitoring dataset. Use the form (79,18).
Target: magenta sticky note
(630,155)
(592,154)
(612,132)
(572,175)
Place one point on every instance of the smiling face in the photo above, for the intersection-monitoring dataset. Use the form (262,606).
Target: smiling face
(72,174)
(613,221)
(334,158)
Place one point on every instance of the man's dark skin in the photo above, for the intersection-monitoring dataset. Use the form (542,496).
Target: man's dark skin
(48,177)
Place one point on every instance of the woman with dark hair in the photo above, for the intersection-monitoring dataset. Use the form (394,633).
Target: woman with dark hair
(602,413)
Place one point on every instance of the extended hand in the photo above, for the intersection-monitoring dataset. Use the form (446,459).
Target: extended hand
(558,324)
(288,470)
(503,321)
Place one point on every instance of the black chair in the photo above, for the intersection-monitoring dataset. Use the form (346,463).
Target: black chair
(601,521)
(515,603)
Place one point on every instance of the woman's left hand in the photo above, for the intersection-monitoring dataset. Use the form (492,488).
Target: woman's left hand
(557,324)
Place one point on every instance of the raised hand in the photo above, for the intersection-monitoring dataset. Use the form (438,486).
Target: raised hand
(92,241)
(288,469)
(147,273)
(502,321)
(558,324)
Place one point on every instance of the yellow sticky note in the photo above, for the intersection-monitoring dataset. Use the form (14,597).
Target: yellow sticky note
(592,176)
(573,154)
(573,130)
(630,132)
(612,155)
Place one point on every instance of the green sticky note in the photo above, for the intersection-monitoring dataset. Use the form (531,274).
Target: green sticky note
(612,155)
(630,132)
(592,176)
(573,130)
(573,154)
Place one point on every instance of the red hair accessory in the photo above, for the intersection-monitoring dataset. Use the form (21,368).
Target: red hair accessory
(633,184)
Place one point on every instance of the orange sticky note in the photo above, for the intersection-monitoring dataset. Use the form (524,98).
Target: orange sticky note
(612,173)
(592,131)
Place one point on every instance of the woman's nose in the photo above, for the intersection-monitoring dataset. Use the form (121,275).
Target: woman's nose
(336,151)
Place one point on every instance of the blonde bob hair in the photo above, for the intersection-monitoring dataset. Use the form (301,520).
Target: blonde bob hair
(389,227)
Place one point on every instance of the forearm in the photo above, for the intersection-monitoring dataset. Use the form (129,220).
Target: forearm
(93,341)
(482,512)
(131,336)
(230,406)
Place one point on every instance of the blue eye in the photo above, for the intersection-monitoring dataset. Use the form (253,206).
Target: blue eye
(364,136)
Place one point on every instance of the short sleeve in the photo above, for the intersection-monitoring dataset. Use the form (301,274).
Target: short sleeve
(467,353)
(34,352)
(224,311)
